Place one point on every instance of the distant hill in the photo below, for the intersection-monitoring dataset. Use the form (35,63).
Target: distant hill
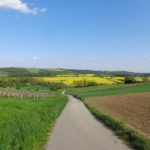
(30,72)
(37,72)
(108,73)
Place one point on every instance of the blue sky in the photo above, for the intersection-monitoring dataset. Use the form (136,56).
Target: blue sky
(80,34)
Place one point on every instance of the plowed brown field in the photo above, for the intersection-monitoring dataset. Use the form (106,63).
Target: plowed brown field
(134,109)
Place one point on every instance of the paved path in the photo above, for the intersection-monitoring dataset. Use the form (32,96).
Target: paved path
(77,129)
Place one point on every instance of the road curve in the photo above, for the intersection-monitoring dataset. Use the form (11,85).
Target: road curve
(77,129)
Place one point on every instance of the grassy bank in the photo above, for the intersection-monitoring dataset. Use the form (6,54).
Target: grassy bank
(105,90)
(121,129)
(25,124)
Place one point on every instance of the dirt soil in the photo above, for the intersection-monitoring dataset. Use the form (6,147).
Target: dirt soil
(134,109)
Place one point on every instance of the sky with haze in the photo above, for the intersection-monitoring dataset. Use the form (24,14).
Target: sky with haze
(77,34)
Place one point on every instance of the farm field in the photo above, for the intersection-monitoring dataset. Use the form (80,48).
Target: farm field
(82,80)
(105,90)
(29,106)
(25,123)
(134,109)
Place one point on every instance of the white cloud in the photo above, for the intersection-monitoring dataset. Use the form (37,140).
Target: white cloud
(147,57)
(35,58)
(20,6)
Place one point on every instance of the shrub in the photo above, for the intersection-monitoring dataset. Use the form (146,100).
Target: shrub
(130,80)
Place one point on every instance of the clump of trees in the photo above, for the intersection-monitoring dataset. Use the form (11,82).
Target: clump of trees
(130,80)
(21,82)
(56,86)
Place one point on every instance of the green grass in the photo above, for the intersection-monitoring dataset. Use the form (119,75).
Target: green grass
(136,140)
(35,87)
(25,124)
(105,90)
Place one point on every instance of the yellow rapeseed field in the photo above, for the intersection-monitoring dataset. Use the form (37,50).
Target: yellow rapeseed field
(73,80)
(138,79)
(85,80)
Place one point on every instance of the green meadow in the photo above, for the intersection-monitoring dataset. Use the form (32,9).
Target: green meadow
(105,90)
(25,124)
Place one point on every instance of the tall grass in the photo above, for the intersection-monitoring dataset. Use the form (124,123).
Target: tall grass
(24,124)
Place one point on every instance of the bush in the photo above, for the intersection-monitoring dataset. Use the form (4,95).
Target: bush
(56,86)
(130,80)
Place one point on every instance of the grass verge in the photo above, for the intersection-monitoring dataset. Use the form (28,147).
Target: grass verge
(25,124)
(137,140)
